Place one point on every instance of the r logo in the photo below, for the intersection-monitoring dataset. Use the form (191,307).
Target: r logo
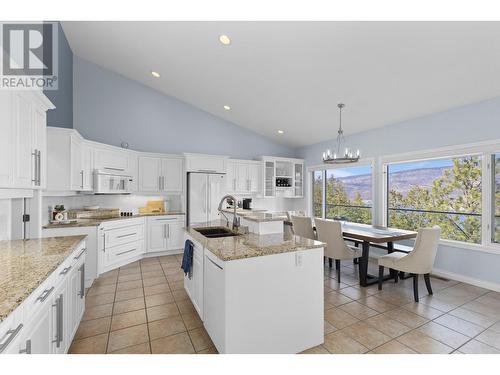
(27,49)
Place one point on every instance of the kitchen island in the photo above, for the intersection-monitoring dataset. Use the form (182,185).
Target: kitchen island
(257,293)
(259,221)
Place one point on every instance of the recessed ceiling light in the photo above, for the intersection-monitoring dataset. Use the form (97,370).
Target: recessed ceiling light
(227,108)
(280,131)
(224,39)
(155,74)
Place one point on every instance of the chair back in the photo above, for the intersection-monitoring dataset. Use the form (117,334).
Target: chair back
(330,232)
(421,259)
(302,226)
(289,214)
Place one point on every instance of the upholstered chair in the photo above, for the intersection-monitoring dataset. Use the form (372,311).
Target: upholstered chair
(302,226)
(330,232)
(418,262)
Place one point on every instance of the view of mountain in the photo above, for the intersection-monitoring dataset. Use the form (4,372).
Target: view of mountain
(401,181)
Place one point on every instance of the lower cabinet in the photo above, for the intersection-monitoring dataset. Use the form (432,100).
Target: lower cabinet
(47,320)
(165,233)
(193,282)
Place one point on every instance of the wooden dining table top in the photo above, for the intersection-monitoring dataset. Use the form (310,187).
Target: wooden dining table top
(375,233)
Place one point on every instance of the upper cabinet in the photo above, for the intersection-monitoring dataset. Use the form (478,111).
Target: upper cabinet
(23,147)
(160,174)
(70,161)
(283,177)
(205,163)
(243,176)
(111,159)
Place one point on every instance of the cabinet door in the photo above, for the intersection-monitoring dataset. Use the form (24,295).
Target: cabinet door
(175,235)
(88,166)
(254,173)
(24,157)
(157,235)
(299,179)
(39,131)
(242,184)
(172,174)
(38,338)
(76,164)
(231,176)
(111,159)
(149,174)
(197,297)
(269,179)
(59,320)
(7,140)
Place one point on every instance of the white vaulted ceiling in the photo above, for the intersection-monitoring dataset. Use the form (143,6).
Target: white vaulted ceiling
(291,75)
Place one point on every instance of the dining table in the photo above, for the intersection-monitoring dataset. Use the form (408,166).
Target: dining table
(376,235)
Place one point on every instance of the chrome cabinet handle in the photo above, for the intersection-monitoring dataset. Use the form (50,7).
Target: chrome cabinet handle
(45,294)
(39,167)
(168,226)
(27,350)
(126,235)
(81,173)
(114,169)
(104,242)
(65,271)
(164,230)
(125,252)
(81,253)
(10,334)
(34,166)
(59,320)
(159,182)
(82,281)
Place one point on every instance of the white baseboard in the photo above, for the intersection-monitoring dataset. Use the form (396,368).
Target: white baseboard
(466,279)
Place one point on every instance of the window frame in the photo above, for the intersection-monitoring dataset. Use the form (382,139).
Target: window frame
(369,162)
(485,151)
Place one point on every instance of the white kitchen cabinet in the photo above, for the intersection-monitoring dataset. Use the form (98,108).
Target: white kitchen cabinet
(205,163)
(283,177)
(111,159)
(77,174)
(23,142)
(160,174)
(76,297)
(38,334)
(165,233)
(298,180)
(243,176)
(70,161)
(193,283)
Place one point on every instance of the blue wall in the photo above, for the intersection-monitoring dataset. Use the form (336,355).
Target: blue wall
(62,98)
(467,124)
(110,108)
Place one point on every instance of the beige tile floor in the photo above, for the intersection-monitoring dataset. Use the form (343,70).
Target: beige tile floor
(142,308)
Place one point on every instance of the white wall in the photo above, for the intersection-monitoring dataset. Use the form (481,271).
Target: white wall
(472,123)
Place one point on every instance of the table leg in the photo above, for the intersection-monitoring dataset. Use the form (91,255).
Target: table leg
(363,266)
(390,249)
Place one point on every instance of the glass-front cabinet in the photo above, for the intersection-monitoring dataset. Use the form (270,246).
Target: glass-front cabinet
(283,177)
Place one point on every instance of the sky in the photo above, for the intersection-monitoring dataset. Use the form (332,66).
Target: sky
(437,163)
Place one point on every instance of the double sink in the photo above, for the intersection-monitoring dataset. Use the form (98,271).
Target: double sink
(216,232)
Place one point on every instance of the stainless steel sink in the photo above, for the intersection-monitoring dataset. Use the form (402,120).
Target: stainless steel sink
(216,232)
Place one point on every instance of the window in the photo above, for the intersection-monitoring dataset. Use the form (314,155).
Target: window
(496,199)
(444,192)
(317,188)
(343,194)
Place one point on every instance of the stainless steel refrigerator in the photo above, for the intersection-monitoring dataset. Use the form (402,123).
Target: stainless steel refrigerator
(205,190)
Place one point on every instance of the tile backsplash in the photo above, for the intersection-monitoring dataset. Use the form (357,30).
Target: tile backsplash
(124,202)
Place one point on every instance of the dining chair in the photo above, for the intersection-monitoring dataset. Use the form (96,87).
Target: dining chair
(330,232)
(302,226)
(418,262)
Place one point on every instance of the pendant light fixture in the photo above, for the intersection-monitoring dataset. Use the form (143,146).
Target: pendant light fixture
(342,154)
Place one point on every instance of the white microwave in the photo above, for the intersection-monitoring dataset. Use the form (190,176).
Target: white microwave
(106,182)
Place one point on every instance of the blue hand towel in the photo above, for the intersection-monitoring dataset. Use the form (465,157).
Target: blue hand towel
(187,258)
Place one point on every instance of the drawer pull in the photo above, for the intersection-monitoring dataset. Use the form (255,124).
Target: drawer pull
(126,235)
(10,334)
(45,294)
(125,252)
(66,270)
(79,255)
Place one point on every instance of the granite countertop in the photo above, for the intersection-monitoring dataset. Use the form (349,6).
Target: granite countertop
(96,222)
(259,216)
(250,245)
(24,265)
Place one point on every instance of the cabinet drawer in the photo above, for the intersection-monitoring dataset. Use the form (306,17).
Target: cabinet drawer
(42,296)
(166,218)
(119,254)
(10,331)
(125,235)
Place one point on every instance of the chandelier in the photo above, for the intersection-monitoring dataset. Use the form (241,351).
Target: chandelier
(336,157)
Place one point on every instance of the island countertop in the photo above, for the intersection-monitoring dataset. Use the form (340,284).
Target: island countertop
(257,215)
(24,265)
(250,245)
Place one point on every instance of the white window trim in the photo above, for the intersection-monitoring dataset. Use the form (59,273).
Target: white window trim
(482,149)
(323,167)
